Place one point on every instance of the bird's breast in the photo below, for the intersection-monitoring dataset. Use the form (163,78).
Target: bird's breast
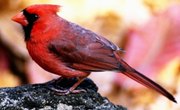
(41,55)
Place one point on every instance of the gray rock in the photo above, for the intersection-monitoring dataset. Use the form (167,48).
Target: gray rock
(41,97)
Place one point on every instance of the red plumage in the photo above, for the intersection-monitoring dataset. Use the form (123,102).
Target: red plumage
(66,49)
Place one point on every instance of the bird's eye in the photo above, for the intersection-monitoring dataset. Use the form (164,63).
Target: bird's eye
(33,17)
(30,17)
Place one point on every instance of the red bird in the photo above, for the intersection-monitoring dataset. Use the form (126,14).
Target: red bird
(66,49)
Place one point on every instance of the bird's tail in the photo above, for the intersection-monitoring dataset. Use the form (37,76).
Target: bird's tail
(135,75)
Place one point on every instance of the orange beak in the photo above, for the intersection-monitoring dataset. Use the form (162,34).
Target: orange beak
(21,19)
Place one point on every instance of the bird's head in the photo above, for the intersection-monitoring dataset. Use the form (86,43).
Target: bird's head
(32,14)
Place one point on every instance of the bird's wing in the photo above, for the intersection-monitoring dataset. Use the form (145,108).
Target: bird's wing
(86,51)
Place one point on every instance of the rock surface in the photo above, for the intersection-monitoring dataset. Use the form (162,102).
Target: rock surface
(40,97)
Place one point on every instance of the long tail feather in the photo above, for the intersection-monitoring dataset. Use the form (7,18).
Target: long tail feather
(135,75)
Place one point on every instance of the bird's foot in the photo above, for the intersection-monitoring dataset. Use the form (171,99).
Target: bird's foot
(67,91)
(65,88)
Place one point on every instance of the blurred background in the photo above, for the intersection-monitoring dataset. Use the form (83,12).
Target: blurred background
(148,31)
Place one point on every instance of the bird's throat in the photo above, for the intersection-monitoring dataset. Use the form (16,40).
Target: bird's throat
(27,31)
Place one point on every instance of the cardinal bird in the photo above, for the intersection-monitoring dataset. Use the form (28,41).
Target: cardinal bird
(68,50)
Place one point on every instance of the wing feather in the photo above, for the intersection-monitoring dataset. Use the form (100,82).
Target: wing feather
(84,50)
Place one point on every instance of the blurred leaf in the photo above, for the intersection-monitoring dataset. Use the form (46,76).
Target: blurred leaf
(156,43)
(7,79)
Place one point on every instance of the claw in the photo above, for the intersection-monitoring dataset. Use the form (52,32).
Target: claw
(52,86)
(65,92)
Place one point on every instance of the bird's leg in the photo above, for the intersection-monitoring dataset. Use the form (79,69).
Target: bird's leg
(72,89)
(66,91)
(55,82)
